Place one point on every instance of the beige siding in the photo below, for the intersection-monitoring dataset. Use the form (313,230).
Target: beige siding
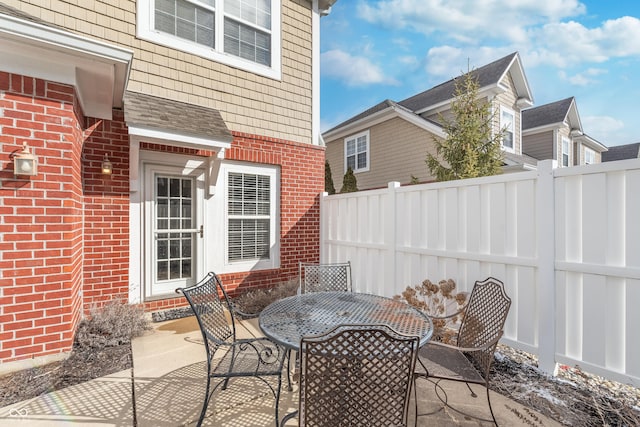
(398,152)
(539,145)
(248,102)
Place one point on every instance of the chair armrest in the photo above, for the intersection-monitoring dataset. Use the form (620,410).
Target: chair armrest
(242,313)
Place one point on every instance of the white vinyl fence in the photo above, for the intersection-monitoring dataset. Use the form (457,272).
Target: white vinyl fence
(566,243)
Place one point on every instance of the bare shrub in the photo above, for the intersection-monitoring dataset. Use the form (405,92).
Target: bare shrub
(251,303)
(441,303)
(114,324)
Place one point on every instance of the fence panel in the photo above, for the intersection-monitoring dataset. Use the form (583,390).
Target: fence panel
(566,242)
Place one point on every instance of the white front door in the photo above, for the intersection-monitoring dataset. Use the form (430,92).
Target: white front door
(174,199)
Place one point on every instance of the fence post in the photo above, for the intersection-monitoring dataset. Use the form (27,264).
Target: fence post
(390,241)
(323,227)
(546,238)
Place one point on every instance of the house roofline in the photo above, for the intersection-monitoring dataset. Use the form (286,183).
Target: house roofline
(98,70)
(392,111)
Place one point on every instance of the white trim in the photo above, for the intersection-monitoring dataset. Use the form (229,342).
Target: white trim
(355,137)
(381,117)
(504,109)
(142,133)
(316,138)
(146,31)
(592,153)
(561,160)
(221,263)
(98,70)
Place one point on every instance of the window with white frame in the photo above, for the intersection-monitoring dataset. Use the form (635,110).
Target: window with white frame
(565,151)
(240,33)
(589,156)
(356,151)
(507,126)
(251,211)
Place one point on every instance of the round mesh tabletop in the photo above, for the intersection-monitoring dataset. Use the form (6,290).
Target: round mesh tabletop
(287,320)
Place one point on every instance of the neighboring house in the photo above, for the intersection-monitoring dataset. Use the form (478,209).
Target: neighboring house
(554,131)
(622,152)
(390,141)
(171,138)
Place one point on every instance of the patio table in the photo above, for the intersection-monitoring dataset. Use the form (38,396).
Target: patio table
(287,320)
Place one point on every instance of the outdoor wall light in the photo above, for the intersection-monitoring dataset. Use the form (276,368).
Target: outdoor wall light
(25,163)
(107,167)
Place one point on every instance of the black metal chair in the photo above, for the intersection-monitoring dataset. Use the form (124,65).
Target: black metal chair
(321,278)
(469,360)
(356,375)
(325,277)
(253,357)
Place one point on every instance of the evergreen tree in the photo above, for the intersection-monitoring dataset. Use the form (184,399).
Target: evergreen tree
(470,148)
(349,182)
(328,180)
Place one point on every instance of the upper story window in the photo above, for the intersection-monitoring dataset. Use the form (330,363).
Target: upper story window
(356,150)
(507,125)
(240,33)
(565,151)
(589,156)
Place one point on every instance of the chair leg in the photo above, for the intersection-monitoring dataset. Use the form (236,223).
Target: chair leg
(473,393)
(288,356)
(490,407)
(207,396)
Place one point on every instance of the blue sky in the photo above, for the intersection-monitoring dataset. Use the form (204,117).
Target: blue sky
(392,49)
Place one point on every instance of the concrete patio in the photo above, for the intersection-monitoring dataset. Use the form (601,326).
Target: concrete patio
(166,387)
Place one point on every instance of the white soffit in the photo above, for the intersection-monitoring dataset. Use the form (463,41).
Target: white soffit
(98,70)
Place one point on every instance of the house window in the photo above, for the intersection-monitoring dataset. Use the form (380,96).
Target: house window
(565,151)
(251,216)
(356,149)
(240,33)
(589,156)
(507,125)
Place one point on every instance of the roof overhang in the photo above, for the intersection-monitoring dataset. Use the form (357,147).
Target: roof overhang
(587,141)
(383,116)
(99,71)
(545,128)
(169,122)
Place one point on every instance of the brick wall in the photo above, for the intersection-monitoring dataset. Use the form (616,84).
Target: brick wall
(106,212)
(64,234)
(302,181)
(40,219)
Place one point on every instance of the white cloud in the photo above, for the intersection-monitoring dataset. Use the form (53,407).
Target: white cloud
(352,70)
(447,62)
(605,129)
(585,78)
(565,44)
(469,20)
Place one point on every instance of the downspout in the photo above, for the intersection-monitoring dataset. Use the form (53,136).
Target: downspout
(319,8)
(315,74)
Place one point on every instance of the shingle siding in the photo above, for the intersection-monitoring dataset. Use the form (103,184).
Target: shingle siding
(248,102)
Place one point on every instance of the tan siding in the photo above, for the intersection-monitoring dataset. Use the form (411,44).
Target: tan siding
(248,102)
(398,152)
(539,145)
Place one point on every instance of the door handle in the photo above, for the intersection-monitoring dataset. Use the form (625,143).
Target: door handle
(201,231)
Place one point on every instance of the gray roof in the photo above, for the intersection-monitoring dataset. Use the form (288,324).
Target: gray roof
(180,117)
(520,159)
(554,112)
(621,152)
(486,75)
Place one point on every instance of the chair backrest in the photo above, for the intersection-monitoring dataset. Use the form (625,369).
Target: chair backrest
(325,277)
(483,321)
(356,375)
(208,300)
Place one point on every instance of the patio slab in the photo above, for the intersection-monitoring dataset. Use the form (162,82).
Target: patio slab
(168,388)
